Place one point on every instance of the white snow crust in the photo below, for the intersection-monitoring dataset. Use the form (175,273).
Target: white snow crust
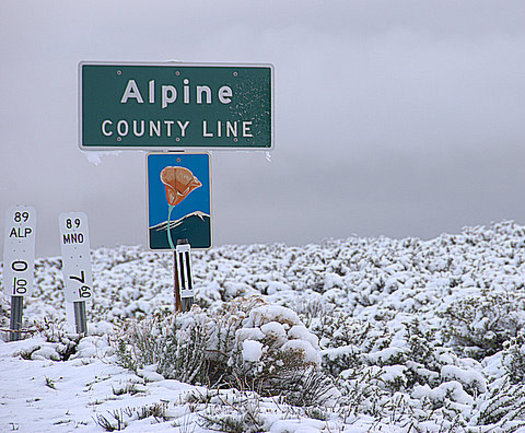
(411,335)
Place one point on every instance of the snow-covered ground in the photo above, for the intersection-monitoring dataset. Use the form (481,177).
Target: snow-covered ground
(355,335)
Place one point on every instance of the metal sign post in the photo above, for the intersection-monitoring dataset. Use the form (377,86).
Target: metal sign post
(15,325)
(179,213)
(19,258)
(184,295)
(76,265)
(185,275)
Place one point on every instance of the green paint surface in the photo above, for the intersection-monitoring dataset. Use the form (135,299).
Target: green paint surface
(162,109)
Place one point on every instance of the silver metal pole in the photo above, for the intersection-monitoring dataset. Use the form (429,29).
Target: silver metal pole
(80,317)
(17,308)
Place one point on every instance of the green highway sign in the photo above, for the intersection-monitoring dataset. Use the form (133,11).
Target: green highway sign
(175,106)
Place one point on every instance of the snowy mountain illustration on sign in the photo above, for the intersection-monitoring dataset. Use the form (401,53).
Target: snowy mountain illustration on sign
(196,227)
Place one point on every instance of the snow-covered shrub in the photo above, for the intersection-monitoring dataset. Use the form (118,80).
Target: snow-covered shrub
(245,343)
(424,359)
(276,355)
(339,329)
(400,372)
(119,419)
(351,343)
(478,326)
(514,358)
(238,413)
(39,349)
(176,344)
(52,329)
(421,344)
(502,406)
(310,307)
(362,391)
(339,359)
(52,342)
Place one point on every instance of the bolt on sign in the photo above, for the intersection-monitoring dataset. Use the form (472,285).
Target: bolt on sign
(175,106)
(179,200)
(19,251)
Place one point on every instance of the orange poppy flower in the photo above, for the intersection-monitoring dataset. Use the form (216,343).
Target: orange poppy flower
(179,182)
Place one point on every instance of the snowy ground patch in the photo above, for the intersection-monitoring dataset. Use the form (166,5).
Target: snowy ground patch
(380,334)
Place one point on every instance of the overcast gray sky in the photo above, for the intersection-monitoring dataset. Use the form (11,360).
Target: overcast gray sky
(391,117)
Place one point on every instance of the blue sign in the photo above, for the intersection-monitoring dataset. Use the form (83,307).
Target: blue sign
(179,200)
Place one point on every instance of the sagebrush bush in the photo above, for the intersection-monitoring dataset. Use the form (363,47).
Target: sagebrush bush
(423,355)
(181,346)
(338,329)
(246,344)
(58,344)
(479,326)
(514,358)
(502,406)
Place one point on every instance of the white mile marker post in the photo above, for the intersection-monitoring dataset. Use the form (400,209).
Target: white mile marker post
(19,262)
(76,265)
